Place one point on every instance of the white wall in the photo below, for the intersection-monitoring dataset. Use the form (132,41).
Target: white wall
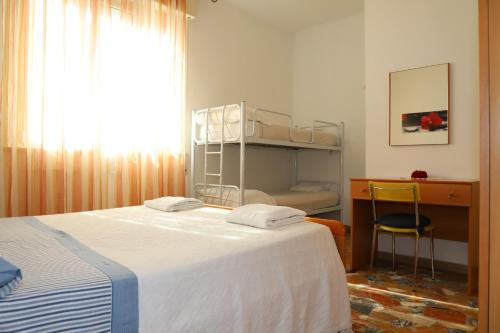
(328,76)
(401,34)
(233,56)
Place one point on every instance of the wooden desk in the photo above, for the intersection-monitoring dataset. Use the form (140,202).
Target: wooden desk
(452,206)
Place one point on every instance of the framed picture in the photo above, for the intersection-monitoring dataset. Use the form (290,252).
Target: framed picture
(419,106)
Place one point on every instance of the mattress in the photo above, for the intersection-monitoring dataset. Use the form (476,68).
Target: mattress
(307,200)
(197,273)
(321,137)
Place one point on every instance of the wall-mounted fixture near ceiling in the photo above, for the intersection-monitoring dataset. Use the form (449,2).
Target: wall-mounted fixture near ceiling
(419,106)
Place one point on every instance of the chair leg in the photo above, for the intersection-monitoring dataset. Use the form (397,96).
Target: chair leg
(417,241)
(374,241)
(393,252)
(432,254)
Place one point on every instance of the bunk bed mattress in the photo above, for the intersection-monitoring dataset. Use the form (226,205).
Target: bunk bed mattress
(320,137)
(232,131)
(269,132)
(231,197)
(307,200)
(197,273)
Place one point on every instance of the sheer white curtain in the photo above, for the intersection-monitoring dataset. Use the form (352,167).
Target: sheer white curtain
(92,104)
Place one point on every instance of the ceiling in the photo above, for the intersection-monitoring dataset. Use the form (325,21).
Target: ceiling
(295,15)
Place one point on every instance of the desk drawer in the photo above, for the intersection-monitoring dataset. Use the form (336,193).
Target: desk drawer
(359,190)
(446,194)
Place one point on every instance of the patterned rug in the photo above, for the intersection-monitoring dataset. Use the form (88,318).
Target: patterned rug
(384,301)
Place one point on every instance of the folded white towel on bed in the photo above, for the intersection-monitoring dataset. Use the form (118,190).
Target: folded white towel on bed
(306,188)
(265,216)
(173,204)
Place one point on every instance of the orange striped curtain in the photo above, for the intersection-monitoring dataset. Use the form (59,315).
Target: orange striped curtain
(92,103)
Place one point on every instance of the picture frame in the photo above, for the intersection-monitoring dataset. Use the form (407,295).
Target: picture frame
(419,106)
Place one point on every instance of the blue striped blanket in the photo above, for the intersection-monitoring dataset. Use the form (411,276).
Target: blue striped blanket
(66,287)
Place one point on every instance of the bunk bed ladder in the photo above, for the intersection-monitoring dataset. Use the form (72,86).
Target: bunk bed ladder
(219,153)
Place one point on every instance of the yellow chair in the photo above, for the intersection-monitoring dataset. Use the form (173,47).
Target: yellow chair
(400,223)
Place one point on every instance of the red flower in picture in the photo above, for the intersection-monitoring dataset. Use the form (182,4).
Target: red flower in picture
(425,122)
(431,121)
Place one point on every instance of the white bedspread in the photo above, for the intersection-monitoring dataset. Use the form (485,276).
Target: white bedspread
(198,273)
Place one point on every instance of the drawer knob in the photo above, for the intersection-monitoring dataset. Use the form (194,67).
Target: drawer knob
(364,190)
(451,194)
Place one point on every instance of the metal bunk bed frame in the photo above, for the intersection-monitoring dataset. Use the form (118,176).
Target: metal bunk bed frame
(243,140)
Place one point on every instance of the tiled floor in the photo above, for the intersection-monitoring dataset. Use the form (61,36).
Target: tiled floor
(384,301)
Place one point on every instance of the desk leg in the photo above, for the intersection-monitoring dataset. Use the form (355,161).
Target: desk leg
(361,233)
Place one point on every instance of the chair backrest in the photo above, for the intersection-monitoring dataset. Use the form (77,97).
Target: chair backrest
(400,192)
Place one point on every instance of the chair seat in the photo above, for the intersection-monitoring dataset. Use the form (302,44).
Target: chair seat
(404,223)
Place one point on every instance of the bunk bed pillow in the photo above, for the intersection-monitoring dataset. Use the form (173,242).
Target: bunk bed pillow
(231,115)
(231,131)
(306,188)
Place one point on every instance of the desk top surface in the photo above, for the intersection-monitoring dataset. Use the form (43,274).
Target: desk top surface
(420,180)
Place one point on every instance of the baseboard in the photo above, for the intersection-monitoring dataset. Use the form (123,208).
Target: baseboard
(423,262)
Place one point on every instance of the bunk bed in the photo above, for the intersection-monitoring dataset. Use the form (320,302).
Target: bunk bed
(239,124)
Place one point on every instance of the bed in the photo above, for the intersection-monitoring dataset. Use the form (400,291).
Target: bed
(261,124)
(194,273)
(212,128)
